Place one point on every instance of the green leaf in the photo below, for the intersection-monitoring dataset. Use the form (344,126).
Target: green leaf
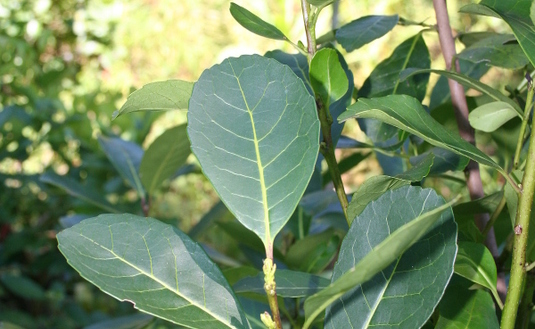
(164,157)
(218,212)
(320,3)
(370,190)
(464,308)
(79,191)
(464,215)
(23,287)
(532,13)
(475,263)
(516,13)
(478,9)
(443,161)
(290,284)
(7,325)
(419,170)
(407,113)
(496,50)
(313,253)
(364,30)
(154,266)
(257,139)
(158,96)
(414,282)
(254,23)
(467,82)
(125,322)
(511,196)
(327,76)
(126,158)
(491,116)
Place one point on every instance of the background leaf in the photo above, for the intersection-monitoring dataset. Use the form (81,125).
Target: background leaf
(491,116)
(257,139)
(327,76)
(126,158)
(158,96)
(409,221)
(254,23)
(157,268)
(320,3)
(496,50)
(164,157)
(364,30)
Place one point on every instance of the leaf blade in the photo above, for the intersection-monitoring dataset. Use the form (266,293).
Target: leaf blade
(364,30)
(254,23)
(491,116)
(327,76)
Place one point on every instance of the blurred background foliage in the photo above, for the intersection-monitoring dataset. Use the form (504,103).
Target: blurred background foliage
(67,65)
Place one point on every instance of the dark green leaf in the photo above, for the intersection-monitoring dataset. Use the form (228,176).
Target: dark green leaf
(346,164)
(443,161)
(414,282)
(154,266)
(257,139)
(364,30)
(467,82)
(158,96)
(218,212)
(496,50)
(419,170)
(22,286)
(475,263)
(370,190)
(79,191)
(125,322)
(491,116)
(164,157)
(407,113)
(313,253)
(511,196)
(290,284)
(516,13)
(464,308)
(327,76)
(126,158)
(254,23)
(478,9)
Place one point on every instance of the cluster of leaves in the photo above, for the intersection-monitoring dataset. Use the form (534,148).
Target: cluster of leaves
(260,127)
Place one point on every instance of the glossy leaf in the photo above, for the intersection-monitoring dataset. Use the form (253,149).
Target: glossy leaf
(79,191)
(408,114)
(154,266)
(394,222)
(516,13)
(164,157)
(496,50)
(475,263)
(467,82)
(254,23)
(158,96)
(327,76)
(464,308)
(491,116)
(256,138)
(364,30)
(290,284)
(126,158)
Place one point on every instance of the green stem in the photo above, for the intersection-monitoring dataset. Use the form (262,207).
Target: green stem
(270,287)
(526,305)
(518,265)
(520,142)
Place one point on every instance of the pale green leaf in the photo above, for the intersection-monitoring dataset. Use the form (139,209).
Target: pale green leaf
(327,77)
(154,266)
(158,96)
(254,129)
(364,30)
(254,23)
(407,113)
(491,116)
(164,157)
(393,223)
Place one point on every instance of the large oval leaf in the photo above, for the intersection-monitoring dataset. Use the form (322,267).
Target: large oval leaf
(491,116)
(254,128)
(154,266)
(327,76)
(405,293)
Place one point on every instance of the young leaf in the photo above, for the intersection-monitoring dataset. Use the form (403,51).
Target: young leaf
(364,30)
(491,116)
(407,113)
(126,158)
(475,263)
(464,308)
(290,284)
(158,96)
(254,23)
(257,139)
(154,266)
(516,13)
(467,82)
(414,283)
(327,76)
(79,191)
(164,157)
